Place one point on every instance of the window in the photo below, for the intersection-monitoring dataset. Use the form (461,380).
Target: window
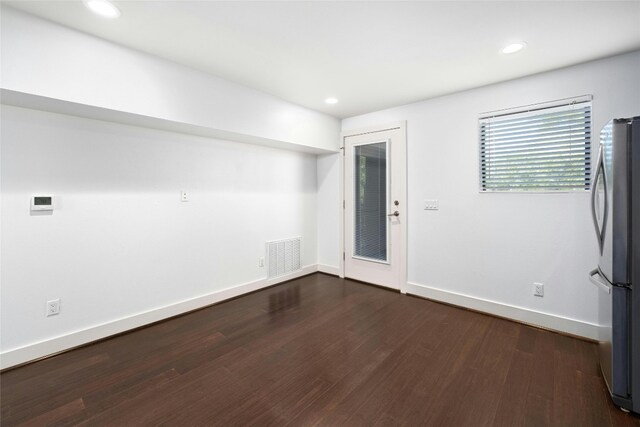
(546,147)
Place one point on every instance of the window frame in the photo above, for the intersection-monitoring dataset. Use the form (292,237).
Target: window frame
(532,110)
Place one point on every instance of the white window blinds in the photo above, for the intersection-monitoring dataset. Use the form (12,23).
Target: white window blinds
(543,148)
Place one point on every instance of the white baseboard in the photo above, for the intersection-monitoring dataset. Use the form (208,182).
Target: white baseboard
(521,314)
(54,345)
(329,269)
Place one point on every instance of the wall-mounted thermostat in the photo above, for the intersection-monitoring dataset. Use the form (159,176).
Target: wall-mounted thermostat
(42,203)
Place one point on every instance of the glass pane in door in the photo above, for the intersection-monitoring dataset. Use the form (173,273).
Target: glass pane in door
(370,204)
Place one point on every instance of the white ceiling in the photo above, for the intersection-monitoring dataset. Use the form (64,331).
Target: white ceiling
(370,55)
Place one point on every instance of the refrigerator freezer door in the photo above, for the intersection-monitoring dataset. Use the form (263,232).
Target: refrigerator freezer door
(614,345)
(620,351)
(605,338)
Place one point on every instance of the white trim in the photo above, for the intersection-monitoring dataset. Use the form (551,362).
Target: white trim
(404,227)
(50,346)
(377,261)
(329,269)
(372,129)
(525,315)
(342,205)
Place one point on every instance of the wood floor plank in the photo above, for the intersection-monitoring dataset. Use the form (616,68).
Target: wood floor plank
(538,411)
(319,351)
(400,381)
(449,375)
(56,415)
(512,405)
(527,339)
(542,383)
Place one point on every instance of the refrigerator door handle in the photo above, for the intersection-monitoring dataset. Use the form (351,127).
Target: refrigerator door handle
(598,281)
(594,189)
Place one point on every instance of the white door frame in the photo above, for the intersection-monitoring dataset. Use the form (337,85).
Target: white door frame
(402,127)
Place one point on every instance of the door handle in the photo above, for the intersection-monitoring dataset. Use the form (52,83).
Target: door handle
(594,187)
(599,283)
(396,213)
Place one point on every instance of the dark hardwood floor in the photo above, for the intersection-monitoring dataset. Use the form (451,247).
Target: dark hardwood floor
(319,351)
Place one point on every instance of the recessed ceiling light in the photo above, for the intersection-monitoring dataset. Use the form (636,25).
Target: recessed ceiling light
(331,100)
(513,48)
(103,8)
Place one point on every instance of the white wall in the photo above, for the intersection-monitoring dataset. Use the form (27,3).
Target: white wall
(120,242)
(329,211)
(46,59)
(485,250)
(120,249)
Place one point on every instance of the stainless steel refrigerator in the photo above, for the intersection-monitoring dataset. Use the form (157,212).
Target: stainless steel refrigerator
(615,204)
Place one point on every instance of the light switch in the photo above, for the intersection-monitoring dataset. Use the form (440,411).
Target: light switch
(431,205)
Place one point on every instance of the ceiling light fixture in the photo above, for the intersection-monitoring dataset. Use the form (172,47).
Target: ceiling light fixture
(513,48)
(103,8)
(331,100)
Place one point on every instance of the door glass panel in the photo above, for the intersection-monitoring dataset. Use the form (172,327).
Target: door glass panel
(370,204)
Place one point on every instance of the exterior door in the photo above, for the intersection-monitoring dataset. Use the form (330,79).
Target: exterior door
(375,208)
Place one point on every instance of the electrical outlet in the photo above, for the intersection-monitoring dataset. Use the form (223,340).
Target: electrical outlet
(184,196)
(538,289)
(260,262)
(431,205)
(53,307)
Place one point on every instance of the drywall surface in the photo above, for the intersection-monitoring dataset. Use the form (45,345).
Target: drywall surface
(120,241)
(46,59)
(329,211)
(494,246)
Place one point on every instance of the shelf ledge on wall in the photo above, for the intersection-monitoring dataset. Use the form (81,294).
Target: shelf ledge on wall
(60,106)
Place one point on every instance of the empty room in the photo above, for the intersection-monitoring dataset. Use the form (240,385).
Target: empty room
(332,213)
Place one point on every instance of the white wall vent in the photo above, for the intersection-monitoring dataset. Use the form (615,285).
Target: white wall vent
(283,256)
